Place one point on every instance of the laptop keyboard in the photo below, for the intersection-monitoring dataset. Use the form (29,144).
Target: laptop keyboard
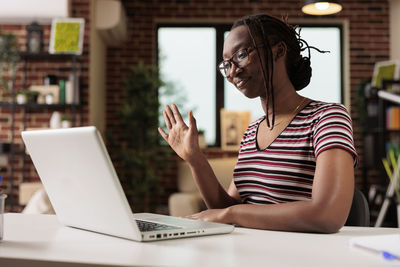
(145,226)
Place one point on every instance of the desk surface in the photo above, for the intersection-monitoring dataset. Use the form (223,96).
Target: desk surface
(41,240)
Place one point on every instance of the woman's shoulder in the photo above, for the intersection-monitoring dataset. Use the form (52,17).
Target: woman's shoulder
(316,104)
(320,108)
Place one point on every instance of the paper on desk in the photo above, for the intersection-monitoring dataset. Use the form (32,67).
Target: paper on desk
(389,243)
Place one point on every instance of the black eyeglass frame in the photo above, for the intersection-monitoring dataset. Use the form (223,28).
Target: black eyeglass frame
(231,61)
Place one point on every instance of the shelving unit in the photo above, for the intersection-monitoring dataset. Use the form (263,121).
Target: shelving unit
(376,134)
(388,98)
(30,108)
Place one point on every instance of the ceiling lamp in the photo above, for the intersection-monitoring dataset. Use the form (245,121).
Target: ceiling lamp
(321,7)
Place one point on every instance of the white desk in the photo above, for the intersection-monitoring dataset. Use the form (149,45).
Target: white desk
(41,241)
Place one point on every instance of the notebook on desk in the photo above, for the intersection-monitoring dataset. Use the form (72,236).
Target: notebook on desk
(83,187)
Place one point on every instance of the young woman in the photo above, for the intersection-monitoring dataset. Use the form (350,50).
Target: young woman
(295,170)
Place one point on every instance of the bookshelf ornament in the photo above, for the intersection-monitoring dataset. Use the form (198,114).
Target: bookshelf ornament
(34,38)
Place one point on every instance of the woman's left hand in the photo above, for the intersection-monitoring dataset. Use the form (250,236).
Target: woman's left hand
(211,215)
(183,139)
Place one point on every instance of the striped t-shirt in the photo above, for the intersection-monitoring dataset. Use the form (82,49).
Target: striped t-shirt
(284,171)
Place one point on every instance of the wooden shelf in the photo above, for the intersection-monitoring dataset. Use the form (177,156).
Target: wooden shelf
(35,105)
(394,98)
(44,56)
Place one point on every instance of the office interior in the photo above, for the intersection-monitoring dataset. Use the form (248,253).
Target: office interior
(123,36)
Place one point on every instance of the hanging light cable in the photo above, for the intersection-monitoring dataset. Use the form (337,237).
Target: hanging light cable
(321,7)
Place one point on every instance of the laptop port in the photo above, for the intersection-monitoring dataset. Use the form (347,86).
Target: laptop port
(191,233)
(158,235)
(175,234)
(165,235)
(182,233)
(152,236)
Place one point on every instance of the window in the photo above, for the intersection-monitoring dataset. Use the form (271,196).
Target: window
(188,55)
(326,80)
(187,59)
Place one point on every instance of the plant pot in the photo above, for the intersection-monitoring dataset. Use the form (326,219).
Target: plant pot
(66,124)
(21,99)
(49,99)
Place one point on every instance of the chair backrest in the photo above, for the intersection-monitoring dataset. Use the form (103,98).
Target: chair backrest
(222,167)
(359,212)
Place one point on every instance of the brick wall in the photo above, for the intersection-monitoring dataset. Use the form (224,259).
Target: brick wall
(39,118)
(369,42)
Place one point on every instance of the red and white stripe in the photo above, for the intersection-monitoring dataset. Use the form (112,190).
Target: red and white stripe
(284,171)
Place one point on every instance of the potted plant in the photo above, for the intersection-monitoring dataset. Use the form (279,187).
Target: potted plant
(21,97)
(27,96)
(9,57)
(66,120)
(139,155)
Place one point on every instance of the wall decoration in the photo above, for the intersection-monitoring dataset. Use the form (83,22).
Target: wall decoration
(233,125)
(67,36)
(389,70)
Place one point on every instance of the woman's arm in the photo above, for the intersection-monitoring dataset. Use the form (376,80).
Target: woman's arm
(214,195)
(326,212)
(184,141)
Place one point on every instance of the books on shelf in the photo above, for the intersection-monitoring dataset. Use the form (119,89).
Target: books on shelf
(393,118)
(392,112)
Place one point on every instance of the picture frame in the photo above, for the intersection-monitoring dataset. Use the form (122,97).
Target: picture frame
(233,125)
(66,36)
(389,70)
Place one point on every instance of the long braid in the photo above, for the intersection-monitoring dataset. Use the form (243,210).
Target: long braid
(266,72)
(269,65)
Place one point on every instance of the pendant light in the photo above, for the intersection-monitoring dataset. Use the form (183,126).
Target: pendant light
(321,7)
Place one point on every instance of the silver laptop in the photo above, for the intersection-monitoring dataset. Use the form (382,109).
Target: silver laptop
(84,189)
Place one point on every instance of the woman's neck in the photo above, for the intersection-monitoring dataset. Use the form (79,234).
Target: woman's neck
(285,100)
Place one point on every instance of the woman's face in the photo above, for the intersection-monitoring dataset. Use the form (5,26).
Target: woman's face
(248,79)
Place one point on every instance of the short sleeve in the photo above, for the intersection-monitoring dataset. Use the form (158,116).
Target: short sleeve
(334,130)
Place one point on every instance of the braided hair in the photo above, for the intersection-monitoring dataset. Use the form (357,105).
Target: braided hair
(273,31)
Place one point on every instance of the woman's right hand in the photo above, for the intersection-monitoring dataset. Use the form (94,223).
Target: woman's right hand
(182,139)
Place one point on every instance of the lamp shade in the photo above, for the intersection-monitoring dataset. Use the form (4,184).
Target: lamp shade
(321,7)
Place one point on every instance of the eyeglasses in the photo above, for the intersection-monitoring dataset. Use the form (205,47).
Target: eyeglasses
(240,59)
